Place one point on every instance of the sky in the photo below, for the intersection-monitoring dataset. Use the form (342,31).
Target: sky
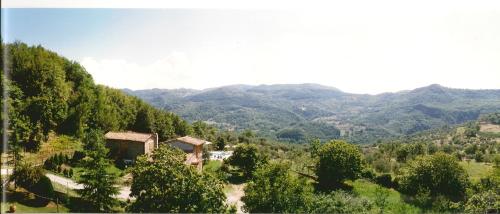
(371,49)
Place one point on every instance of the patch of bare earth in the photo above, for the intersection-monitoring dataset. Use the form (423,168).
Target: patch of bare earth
(233,196)
(488,127)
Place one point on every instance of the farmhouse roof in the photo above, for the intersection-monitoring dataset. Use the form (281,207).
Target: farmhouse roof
(191,140)
(130,136)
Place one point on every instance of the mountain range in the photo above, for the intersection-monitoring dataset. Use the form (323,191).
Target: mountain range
(297,112)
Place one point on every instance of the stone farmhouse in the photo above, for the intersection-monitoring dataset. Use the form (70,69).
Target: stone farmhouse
(128,145)
(193,147)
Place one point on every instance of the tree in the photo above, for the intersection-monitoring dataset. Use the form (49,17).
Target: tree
(163,183)
(247,158)
(274,190)
(220,143)
(98,185)
(440,174)
(337,161)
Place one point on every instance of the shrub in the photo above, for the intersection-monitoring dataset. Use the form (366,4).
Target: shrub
(26,175)
(77,156)
(338,202)
(484,202)
(368,174)
(384,180)
(440,174)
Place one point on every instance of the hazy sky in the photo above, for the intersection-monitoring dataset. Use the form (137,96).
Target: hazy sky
(363,49)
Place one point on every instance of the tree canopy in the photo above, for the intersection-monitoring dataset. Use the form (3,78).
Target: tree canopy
(337,161)
(439,174)
(165,184)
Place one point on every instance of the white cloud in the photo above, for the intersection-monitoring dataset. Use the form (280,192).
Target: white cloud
(169,72)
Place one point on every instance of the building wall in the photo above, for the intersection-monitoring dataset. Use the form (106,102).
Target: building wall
(128,149)
(188,148)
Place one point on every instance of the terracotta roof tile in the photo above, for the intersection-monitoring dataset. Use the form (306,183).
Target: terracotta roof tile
(131,136)
(191,140)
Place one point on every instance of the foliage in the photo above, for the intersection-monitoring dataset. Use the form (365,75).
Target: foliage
(338,202)
(247,158)
(98,185)
(274,190)
(49,93)
(337,161)
(381,198)
(439,174)
(26,175)
(165,184)
(483,202)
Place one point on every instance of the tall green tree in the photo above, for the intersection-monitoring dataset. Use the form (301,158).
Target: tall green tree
(99,186)
(337,161)
(163,183)
(247,158)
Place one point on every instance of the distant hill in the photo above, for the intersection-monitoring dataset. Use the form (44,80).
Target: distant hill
(295,112)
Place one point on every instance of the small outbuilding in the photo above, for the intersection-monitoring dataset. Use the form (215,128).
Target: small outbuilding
(128,145)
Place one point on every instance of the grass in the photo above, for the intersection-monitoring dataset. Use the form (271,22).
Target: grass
(64,190)
(396,203)
(212,166)
(21,208)
(25,205)
(55,145)
(77,171)
(476,170)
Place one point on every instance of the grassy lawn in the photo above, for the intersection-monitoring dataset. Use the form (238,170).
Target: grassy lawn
(77,171)
(212,166)
(476,170)
(25,205)
(396,204)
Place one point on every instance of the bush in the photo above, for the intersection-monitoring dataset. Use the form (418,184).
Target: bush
(26,175)
(440,174)
(338,202)
(368,174)
(384,180)
(77,156)
(484,202)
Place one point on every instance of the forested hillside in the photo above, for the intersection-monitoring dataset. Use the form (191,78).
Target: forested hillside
(297,112)
(49,93)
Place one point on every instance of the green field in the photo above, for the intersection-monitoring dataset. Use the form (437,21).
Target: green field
(396,204)
(476,170)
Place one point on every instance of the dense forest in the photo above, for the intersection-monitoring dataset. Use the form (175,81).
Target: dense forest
(49,93)
(297,113)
